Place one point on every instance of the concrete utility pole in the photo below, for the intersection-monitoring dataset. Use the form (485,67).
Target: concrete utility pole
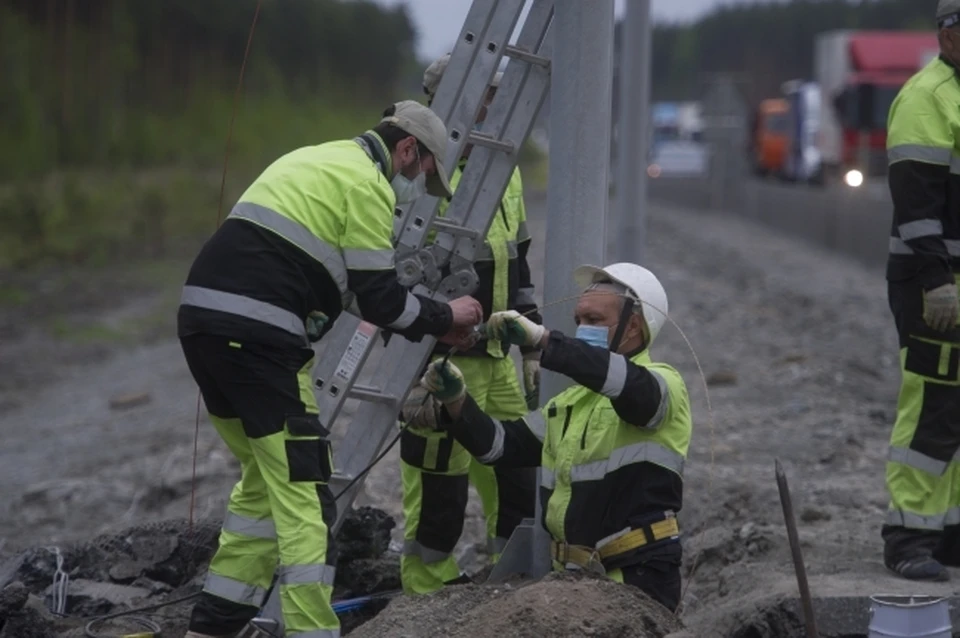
(630,221)
(580,99)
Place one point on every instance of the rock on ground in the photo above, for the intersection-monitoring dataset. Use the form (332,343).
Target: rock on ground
(798,352)
(158,563)
(561,605)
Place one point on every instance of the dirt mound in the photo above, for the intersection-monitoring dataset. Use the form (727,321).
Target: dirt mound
(562,604)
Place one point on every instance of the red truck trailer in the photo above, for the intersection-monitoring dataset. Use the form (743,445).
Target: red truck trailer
(860,73)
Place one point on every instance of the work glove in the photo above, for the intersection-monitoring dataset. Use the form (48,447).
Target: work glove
(444,381)
(422,411)
(531,379)
(940,307)
(510,326)
(315,323)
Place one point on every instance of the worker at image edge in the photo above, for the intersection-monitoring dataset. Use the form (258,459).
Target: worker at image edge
(923,476)
(436,470)
(311,237)
(611,448)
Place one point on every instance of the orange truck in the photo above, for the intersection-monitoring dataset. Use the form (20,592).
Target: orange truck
(770,137)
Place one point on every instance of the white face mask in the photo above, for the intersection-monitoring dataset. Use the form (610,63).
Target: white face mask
(407,189)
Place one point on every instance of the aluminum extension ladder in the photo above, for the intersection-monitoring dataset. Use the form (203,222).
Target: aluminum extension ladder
(483,41)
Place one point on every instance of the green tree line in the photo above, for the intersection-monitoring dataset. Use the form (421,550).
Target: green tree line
(114,114)
(767,42)
(141,82)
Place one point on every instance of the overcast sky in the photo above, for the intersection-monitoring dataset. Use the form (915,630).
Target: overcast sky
(439,21)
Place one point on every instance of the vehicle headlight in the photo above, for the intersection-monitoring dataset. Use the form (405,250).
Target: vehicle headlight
(853,178)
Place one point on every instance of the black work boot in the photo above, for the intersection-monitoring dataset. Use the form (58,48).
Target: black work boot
(948,549)
(909,554)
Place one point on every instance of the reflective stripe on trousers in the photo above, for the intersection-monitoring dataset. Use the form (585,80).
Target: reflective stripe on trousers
(427,555)
(234,590)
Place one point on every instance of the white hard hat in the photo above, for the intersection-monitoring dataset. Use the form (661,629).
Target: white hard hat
(948,13)
(641,284)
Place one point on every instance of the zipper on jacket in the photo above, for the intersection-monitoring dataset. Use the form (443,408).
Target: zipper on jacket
(566,421)
(583,439)
(503,213)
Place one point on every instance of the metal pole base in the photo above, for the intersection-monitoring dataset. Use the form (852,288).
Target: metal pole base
(518,558)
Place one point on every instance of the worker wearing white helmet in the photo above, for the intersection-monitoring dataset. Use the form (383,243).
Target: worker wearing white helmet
(921,530)
(612,447)
(436,470)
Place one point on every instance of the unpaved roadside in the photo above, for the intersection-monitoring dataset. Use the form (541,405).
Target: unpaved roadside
(797,344)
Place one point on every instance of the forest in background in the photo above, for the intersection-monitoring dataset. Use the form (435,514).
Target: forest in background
(114,113)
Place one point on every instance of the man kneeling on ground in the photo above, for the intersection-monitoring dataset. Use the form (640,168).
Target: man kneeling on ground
(612,447)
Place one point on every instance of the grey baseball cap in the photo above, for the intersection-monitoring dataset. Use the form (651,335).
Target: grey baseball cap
(947,10)
(425,125)
(434,72)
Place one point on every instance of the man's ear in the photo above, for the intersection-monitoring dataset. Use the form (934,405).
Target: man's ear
(638,327)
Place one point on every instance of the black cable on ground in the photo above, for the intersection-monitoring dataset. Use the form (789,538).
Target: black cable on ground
(130,614)
(379,457)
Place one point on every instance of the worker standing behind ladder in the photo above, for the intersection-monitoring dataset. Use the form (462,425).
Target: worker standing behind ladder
(923,475)
(308,239)
(435,469)
(612,447)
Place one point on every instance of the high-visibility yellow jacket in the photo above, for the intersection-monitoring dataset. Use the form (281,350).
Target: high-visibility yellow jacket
(312,233)
(923,150)
(612,448)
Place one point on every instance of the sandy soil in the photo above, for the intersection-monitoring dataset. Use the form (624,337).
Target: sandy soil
(797,347)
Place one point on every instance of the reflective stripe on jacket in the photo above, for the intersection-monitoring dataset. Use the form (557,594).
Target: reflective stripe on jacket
(923,149)
(312,233)
(612,448)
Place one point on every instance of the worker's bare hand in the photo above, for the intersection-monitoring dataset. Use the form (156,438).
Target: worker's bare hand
(467,312)
(462,338)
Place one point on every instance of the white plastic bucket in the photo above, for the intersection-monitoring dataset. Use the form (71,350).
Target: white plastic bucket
(893,616)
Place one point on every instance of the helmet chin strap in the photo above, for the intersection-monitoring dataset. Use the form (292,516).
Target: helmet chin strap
(622,324)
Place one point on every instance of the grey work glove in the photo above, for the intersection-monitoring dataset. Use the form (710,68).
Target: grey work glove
(940,307)
(422,411)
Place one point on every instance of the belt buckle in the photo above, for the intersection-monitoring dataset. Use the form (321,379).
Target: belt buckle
(595,565)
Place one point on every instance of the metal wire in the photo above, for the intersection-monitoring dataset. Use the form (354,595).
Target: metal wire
(61,582)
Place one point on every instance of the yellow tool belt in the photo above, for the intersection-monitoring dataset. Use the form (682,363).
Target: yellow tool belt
(593,559)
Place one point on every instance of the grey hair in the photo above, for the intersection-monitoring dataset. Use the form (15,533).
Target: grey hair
(621,290)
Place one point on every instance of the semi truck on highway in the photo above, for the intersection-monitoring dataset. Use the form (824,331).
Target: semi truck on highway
(859,74)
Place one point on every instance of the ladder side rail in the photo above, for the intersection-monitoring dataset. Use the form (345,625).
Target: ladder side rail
(476,56)
(511,119)
(403,360)
(459,102)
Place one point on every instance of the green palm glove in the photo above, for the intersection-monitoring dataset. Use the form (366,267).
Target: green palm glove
(510,326)
(444,381)
(315,323)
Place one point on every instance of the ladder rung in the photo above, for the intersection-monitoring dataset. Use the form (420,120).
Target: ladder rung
(370,393)
(526,56)
(454,228)
(480,139)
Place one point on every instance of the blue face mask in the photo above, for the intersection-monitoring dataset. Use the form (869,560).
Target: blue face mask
(594,335)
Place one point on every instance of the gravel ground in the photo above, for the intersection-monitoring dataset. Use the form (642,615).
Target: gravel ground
(797,347)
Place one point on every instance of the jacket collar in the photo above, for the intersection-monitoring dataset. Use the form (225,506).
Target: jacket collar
(376,149)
